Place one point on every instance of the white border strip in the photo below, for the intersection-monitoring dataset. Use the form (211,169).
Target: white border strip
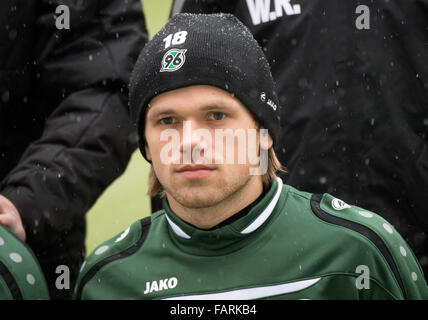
(178,231)
(252,293)
(267,212)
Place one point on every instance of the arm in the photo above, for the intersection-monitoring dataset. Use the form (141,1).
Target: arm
(82,77)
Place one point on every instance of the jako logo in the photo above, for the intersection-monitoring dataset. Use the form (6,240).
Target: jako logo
(165,284)
(260,10)
(269,101)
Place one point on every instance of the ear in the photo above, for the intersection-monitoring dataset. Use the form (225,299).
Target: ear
(270,142)
(148,154)
(265,143)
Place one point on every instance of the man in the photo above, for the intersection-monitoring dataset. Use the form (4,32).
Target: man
(65,133)
(352,78)
(20,275)
(231,229)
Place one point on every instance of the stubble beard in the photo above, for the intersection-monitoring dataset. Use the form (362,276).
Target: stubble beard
(196,195)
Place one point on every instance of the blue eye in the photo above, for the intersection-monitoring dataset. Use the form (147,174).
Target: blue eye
(217,116)
(167,121)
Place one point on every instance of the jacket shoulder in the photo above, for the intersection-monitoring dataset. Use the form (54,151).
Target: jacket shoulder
(394,249)
(120,246)
(21,277)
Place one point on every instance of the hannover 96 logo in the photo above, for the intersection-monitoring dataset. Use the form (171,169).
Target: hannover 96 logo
(173,60)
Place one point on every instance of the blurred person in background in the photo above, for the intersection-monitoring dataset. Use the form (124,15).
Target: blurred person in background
(65,132)
(353,84)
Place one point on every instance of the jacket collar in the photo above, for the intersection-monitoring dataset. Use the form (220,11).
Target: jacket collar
(229,237)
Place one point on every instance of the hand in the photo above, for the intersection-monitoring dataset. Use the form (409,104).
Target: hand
(10,217)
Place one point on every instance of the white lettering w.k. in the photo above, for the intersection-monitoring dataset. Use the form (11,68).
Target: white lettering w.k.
(260,10)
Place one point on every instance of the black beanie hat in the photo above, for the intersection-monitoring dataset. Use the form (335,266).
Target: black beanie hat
(201,49)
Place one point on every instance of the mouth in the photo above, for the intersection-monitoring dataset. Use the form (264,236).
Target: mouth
(196,171)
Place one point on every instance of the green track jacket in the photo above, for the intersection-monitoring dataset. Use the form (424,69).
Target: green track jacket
(20,273)
(291,245)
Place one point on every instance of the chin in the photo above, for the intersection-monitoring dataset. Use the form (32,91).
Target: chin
(197,198)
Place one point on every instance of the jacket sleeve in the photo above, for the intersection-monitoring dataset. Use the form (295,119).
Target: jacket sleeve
(81,76)
(394,258)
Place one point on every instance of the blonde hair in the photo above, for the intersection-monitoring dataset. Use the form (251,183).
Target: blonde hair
(274,167)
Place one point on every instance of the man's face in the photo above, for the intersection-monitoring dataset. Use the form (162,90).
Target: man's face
(193,169)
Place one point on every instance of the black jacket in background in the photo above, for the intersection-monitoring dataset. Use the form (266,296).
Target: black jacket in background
(64,128)
(355,102)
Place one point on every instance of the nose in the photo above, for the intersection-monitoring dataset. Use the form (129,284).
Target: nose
(194,141)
